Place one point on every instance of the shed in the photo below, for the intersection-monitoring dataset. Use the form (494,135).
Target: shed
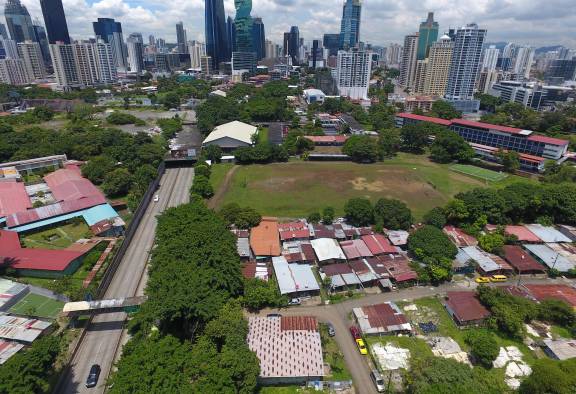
(355,249)
(327,250)
(378,244)
(232,135)
(488,264)
(385,318)
(551,258)
(522,261)
(465,308)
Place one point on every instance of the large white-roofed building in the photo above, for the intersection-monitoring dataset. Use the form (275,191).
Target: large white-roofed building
(295,279)
(327,250)
(232,135)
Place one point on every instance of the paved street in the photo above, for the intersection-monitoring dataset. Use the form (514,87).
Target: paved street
(103,336)
(340,316)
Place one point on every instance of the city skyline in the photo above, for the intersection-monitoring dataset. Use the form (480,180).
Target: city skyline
(518,20)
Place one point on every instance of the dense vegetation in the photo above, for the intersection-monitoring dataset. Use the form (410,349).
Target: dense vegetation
(122,118)
(431,247)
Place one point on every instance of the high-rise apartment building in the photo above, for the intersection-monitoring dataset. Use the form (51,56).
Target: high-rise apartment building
(350,25)
(408,64)
(181,38)
(271,50)
(215,32)
(420,76)
(523,61)
(64,63)
(135,45)
(439,58)
(394,54)
(464,67)
(19,22)
(197,50)
(353,73)
(55,21)
(206,65)
(490,58)
(107,73)
(86,62)
(10,49)
(110,31)
(31,54)
(427,35)
(13,72)
(259,38)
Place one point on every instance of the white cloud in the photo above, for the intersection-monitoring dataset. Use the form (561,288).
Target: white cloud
(383,21)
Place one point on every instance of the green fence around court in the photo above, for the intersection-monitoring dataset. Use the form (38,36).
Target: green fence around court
(479,172)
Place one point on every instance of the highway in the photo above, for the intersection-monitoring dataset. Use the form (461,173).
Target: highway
(101,343)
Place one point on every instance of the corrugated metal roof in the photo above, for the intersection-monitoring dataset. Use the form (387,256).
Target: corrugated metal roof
(327,249)
(13,198)
(8,349)
(378,244)
(466,306)
(551,258)
(547,233)
(293,278)
(21,329)
(483,259)
(521,260)
(355,248)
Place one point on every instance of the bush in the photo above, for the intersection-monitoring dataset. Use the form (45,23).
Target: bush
(392,214)
(483,347)
(243,218)
(362,149)
(202,187)
(314,217)
(121,118)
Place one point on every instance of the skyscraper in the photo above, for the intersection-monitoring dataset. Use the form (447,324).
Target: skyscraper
(316,55)
(294,45)
(464,67)
(350,25)
(55,21)
(523,62)
(408,63)
(490,58)
(230,36)
(110,31)
(181,38)
(353,73)
(427,34)
(259,38)
(135,45)
(19,22)
(4,32)
(31,54)
(64,63)
(243,23)
(40,33)
(439,59)
(215,32)
(196,50)
(331,42)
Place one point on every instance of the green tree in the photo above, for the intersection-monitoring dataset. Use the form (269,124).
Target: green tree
(491,242)
(202,187)
(435,217)
(328,214)
(389,142)
(392,214)
(510,160)
(359,212)
(449,146)
(201,169)
(213,153)
(558,312)
(550,377)
(171,100)
(429,241)
(483,347)
(443,109)
(259,294)
(97,168)
(117,183)
(361,148)
(414,138)
(314,217)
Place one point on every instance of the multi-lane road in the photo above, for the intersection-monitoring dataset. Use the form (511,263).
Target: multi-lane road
(102,341)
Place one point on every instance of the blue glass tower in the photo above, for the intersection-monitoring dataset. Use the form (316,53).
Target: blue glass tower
(55,21)
(258,38)
(19,22)
(110,31)
(243,23)
(350,26)
(215,32)
(427,35)
(231,35)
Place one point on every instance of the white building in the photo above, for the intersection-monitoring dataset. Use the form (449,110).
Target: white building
(31,54)
(65,68)
(135,46)
(231,135)
(10,48)
(490,58)
(197,50)
(353,74)
(438,66)
(523,61)
(13,72)
(314,96)
(408,62)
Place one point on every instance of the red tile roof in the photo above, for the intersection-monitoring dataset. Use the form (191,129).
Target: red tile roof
(378,244)
(522,233)
(466,306)
(13,198)
(558,292)
(548,140)
(487,126)
(423,118)
(521,260)
(264,238)
(298,323)
(67,184)
(459,237)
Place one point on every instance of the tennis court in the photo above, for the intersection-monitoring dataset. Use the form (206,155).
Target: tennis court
(37,305)
(479,172)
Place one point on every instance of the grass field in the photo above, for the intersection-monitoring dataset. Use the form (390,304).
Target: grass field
(479,172)
(297,188)
(218,174)
(56,238)
(37,305)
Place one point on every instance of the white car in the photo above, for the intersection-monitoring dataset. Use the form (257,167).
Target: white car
(295,301)
(156,198)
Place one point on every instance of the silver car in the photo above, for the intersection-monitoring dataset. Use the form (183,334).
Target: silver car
(378,380)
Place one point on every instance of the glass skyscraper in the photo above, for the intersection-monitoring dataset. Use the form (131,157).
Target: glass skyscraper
(215,32)
(110,31)
(350,26)
(259,38)
(294,45)
(19,22)
(243,23)
(55,21)
(427,35)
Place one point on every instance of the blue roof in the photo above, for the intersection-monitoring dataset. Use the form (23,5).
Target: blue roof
(91,216)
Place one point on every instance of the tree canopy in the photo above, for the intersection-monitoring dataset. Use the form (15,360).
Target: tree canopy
(359,212)
(392,214)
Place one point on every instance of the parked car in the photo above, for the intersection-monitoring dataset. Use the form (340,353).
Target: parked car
(294,301)
(93,376)
(482,279)
(378,380)
(355,332)
(361,346)
(273,315)
(331,330)
(498,278)
(156,198)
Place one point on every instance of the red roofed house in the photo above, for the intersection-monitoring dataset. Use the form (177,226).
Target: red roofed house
(465,308)
(264,239)
(378,244)
(558,292)
(294,231)
(522,261)
(385,318)
(68,184)
(459,237)
(355,249)
(44,263)
(13,198)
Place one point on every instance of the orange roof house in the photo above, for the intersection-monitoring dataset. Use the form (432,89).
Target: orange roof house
(264,238)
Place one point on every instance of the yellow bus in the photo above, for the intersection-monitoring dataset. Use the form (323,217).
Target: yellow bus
(498,278)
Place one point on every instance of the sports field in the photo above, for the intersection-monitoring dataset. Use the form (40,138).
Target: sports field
(37,305)
(479,172)
(296,189)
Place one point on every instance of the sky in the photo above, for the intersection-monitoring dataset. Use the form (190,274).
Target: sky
(531,22)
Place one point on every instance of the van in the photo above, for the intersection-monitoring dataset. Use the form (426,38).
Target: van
(498,278)
(378,380)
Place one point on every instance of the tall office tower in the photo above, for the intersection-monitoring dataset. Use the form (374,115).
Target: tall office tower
(508,54)
(331,42)
(64,63)
(215,32)
(230,36)
(55,21)
(110,31)
(353,73)
(439,59)
(243,23)
(181,38)
(420,76)
(31,54)
(197,50)
(43,41)
(206,65)
(394,54)
(286,44)
(316,55)
(561,70)
(10,49)
(464,67)
(259,38)
(427,35)
(3,32)
(523,61)
(161,45)
(486,79)
(151,40)
(269,49)
(19,21)
(294,45)
(409,58)
(490,58)
(350,25)
(13,72)
(135,52)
